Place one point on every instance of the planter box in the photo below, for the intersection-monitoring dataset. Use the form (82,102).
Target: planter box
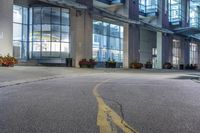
(110,64)
(136,65)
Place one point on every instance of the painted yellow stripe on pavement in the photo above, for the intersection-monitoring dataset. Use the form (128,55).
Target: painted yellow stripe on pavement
(107,119)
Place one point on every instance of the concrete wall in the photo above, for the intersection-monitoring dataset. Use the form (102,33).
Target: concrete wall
(147,42)
(6,28)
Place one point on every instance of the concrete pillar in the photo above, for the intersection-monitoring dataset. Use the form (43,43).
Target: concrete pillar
(134,32)
(6,27)
(159,50)
(81,36)
(81,33)
(163,49)
(126,47)
(186,52)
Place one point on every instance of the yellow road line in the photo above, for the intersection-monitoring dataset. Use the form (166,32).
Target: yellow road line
(108,119)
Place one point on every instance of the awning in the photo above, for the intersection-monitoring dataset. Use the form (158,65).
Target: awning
(108,14)
(155,28)
(66,3)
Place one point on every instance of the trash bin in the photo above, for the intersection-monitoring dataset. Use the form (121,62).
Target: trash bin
(68,62)
(181,67)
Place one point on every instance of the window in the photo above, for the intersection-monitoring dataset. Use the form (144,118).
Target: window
(174,11)
(49,32)
(194,15)
(107,41)
(176,52)
(193,53)
(20,32)
(148,7)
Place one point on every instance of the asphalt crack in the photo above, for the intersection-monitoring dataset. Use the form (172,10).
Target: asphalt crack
(120,110)
(21,82)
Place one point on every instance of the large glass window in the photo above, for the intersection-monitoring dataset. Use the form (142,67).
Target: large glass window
(194,14)
(107,41)
(176,51)
(174,11)
(193,53)
(20,31)
(148,6)
(49,32)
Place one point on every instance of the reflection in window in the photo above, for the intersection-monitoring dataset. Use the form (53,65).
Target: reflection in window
(50,32)
(20,31)
(176,51)
(193,53)
(148,6)
(194,14)
(107,41)
(174,11)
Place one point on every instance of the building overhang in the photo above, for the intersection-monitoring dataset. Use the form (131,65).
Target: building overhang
(111,15)
(187,31)
(112,2)
(65,3)
(190,32)
(155,28)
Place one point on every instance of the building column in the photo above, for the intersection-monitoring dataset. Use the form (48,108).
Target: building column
(126,47)
(186,52)
(81,33)
(199,56)
(134,32)
(163,49)
(6,27)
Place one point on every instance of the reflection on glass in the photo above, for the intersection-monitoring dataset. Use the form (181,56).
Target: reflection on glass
(17,14)
(56,15)
(55,32)
(174,10)
(46,15)
(20,31)
(194,59)
(51,32)
(17,31)
(107,41)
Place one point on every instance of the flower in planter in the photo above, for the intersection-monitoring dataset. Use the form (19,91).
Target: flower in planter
(84,63)
(8,61)
(136,65)
(1,59)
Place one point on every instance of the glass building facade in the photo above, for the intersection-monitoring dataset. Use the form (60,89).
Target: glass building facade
(193,53)
(49,32)
(148,6)
(194,14)
(107,41)
(176,52)
(174,11)
(43,33)
(20,31)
